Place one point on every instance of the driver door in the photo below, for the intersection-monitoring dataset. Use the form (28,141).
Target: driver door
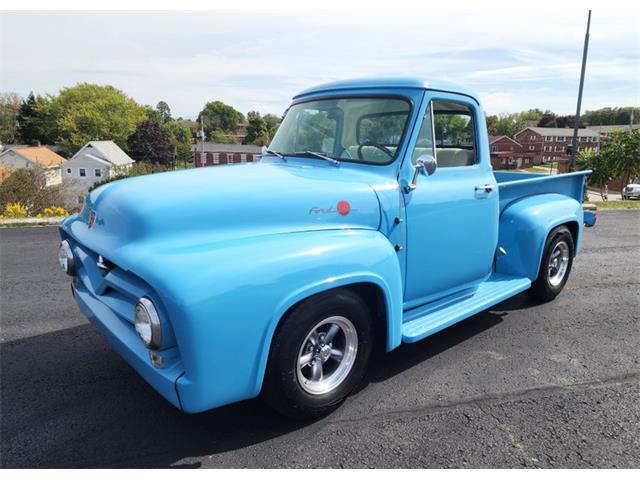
(451,220)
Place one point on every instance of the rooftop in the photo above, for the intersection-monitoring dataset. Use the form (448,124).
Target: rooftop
(563,132)
(40,155)
(109,151)
(611,128)
(389,82)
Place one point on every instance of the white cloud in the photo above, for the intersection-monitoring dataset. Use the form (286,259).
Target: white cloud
(260,60)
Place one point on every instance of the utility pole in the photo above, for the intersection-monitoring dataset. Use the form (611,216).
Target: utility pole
(574,142)
(202,159)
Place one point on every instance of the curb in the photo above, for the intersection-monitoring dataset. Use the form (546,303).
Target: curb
(25,222)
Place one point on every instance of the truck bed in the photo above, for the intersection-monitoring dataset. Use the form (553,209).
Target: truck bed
(516,185)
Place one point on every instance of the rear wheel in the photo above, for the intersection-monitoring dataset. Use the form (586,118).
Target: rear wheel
(555,266)
(319,355)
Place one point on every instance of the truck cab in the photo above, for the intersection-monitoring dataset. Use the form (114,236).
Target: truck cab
(374,216)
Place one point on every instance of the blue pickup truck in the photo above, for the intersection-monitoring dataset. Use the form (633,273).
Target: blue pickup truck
(373,218)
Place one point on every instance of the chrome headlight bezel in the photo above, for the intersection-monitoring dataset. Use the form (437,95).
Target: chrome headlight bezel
(147,323)
(65,258)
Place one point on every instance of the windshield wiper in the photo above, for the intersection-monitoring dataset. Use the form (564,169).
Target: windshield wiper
(272,152)
(319,155)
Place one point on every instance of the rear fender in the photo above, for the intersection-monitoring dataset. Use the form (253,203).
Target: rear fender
(525,225)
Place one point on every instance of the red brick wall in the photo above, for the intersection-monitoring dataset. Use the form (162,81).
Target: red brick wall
(223,158)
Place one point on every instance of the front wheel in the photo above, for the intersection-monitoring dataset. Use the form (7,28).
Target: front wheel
(555,266)
(318,355)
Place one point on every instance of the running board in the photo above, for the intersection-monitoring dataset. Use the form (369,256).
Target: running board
(495,289)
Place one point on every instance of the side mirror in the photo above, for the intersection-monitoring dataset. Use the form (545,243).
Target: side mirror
(425,163)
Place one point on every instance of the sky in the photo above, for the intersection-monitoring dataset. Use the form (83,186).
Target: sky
(514,59)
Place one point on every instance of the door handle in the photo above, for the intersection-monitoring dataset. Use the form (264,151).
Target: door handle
(485,188)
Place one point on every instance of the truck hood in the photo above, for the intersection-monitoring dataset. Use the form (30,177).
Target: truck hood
(208,205)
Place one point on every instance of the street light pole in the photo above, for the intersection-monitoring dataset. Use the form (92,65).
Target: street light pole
(202,159)
(574,150)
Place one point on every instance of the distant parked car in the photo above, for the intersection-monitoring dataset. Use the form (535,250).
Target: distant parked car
(632,191)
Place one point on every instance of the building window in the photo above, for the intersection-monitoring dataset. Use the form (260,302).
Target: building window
(68,170)
(560,139)
(494,148)
(504,161)
(243,158)
(229,157)
(98,172)
(547,148)
(216,158)
(83,172)
(558,149)
(532,137)
(531,147)
(549,138)
(546,158)
(584,139)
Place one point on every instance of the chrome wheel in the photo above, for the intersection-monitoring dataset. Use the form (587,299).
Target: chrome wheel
(558,263)
(327,355)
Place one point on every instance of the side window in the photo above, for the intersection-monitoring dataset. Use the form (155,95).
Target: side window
(455,134)
(424,142)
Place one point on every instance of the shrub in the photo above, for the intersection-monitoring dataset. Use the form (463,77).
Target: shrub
(54,212)
(27,187)
(15,210)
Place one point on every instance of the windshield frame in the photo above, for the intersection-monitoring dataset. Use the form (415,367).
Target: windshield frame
(403,136)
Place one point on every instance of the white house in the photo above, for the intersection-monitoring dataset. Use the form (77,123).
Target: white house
(94,162)
(31,158)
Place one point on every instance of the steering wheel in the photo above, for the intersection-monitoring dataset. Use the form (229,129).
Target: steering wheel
(376,145)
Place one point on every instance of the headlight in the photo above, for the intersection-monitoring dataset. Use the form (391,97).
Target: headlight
(147,323)
(65,257)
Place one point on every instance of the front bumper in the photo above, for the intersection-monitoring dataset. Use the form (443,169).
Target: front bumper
(635,195)
(124,340)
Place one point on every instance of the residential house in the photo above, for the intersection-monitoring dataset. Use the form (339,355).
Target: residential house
(32,158)
(223,154)
(605,130)
(550,144)
(94,162)
(506,153)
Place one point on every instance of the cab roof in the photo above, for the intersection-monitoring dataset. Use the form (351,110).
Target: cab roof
(389,82)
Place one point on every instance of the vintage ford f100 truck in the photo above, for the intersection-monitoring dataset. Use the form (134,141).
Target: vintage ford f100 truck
(373,216)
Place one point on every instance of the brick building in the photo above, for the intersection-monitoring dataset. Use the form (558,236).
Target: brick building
(224,154)
(550,144)
(507,154)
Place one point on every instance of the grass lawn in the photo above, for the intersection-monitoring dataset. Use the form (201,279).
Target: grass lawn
(617,204)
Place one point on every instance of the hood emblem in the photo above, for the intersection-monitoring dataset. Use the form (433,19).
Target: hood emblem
(343,208)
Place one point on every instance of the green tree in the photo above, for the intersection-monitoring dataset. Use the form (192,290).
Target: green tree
(257,130)
(180,134)
(93,112)
(219,117)
(9,112)
(164,111)
(622,150)
(36,122)
(150,142)
(603,169)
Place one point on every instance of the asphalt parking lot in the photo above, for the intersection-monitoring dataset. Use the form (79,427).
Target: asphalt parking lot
(520,385)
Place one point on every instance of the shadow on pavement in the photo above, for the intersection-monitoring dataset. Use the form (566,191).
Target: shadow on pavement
(69,401)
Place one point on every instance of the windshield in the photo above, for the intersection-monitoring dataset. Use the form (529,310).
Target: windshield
(367,130)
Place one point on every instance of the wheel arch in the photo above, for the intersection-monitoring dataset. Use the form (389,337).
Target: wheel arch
(525,225)
(377,294)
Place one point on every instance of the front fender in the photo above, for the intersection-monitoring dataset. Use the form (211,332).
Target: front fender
(524,227)
(225,301)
